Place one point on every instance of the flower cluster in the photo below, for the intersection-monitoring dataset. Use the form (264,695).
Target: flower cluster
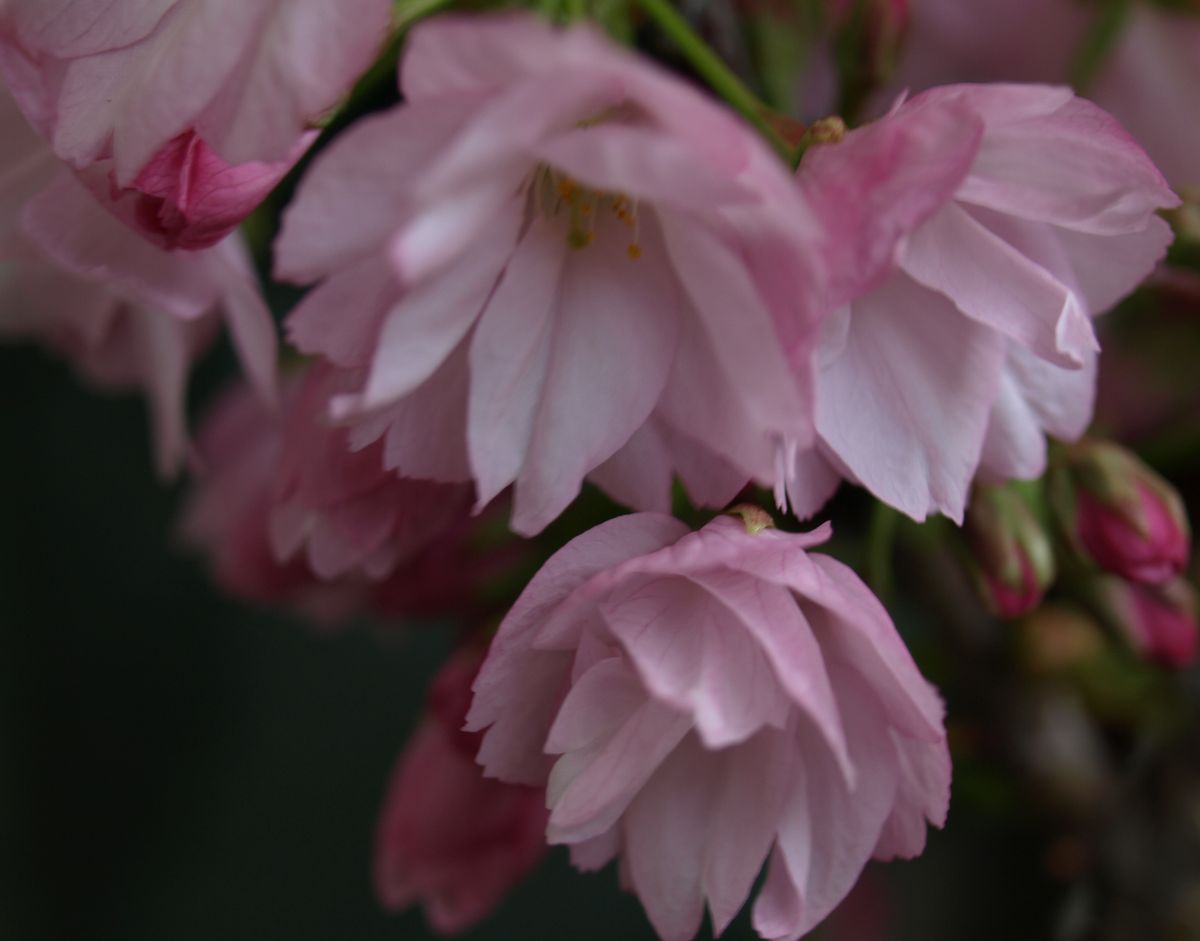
(553,266)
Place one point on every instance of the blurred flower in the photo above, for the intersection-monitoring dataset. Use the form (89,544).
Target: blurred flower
(1159,622)
(984,227)
(701,701)
(123,311)
(448,838)
(338,507)
(557,261)
(182,114)
(291,514)
(1012,550)
(1121,514)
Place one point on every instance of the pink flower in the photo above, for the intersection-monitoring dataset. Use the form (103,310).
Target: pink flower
(1159,622)
(125,312)
(290,514)
(449,838)
(988,224)
(557,262)
(183,114)
(698,702)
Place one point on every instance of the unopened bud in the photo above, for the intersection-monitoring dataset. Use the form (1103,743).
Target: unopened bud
(1012,552)
(1122,515)
(1158,621)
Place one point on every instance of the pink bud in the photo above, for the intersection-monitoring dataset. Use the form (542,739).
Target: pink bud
(1014,557)
(1159,622)
(1127,519)
(187,196)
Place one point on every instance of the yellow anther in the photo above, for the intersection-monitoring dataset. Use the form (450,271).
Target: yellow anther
(580,238)
(634,251)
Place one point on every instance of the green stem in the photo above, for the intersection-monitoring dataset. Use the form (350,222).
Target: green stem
(716,73)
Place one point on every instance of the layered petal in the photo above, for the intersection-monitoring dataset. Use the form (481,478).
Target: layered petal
(713,699)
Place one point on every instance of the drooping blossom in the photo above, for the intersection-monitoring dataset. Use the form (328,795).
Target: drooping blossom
(126,313)
(557,262)
(182,114)
(450,839)
(990,224)
(697,703)
(290,514)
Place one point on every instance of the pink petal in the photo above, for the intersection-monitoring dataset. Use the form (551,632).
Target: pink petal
(306,56)
(70,226)
(339,319)
(756,781)
(665,833)
(84,27)
(513,744)
(356,192)
(1099,269)
(163,348)
(643,164)
(995,284)
(433,317)
(882,182)
(458,54)
(425,430)
(590,789)
(695,653)
(1048,157)
(904,402)
(639,475)
(770,614)
(612,348)
(509,358)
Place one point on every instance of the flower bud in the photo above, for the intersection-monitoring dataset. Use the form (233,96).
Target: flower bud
(1122,515)
(1159,622)
(1013,554)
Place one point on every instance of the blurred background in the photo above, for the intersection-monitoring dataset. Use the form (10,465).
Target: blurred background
(180,766)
